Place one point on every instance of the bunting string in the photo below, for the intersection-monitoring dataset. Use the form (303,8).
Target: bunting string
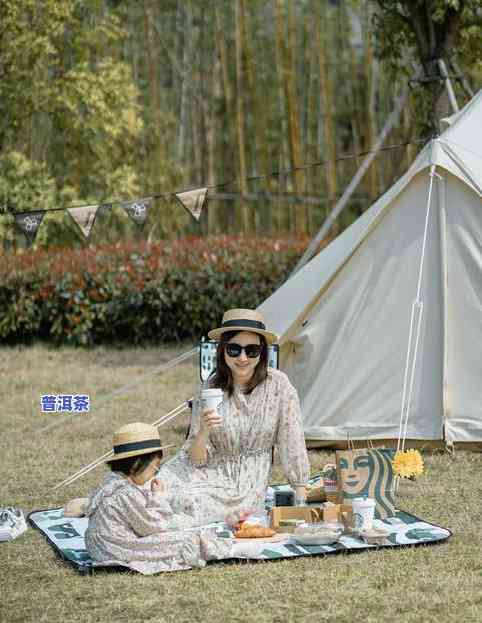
(194,200)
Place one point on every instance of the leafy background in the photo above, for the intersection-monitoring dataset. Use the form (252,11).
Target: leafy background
(113,99)
(138,292)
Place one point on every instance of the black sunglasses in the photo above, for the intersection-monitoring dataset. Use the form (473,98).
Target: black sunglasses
(252,350)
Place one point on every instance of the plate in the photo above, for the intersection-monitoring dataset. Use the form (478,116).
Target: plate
(276,538)
(314,539)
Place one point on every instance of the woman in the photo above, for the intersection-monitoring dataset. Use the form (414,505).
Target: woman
(224,466)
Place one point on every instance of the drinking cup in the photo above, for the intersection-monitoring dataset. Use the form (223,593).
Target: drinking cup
(363,513)
(212,398)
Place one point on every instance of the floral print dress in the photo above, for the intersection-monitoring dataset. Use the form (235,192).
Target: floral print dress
(236,473)
(133,527)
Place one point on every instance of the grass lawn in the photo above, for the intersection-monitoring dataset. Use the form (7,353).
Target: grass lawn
(438,583)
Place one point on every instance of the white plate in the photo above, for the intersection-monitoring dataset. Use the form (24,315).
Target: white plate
(314,539)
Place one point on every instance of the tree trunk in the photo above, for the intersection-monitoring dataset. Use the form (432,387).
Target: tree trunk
(185,25)
(372,73)
(240,120)
(229,146)
(283,215)
(211,133)
(289,84)
(261,148)
(257,127)
(329,145)
(154,95)
(435,40)
(196,110)
(203,110)
(309,98)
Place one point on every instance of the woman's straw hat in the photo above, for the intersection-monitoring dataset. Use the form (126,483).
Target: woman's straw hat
(243,320)
(135,439)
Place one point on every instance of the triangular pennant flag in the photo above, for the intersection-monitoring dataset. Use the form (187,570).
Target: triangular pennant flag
(137,209)
(84,216)
(193,200)
(28,223)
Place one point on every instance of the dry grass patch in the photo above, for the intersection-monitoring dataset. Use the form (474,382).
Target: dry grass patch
(425,584)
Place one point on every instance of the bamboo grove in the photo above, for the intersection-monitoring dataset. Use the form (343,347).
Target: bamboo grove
(113,99)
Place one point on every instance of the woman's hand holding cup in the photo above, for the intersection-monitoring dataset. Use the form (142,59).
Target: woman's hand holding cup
(212,408)
(209,419)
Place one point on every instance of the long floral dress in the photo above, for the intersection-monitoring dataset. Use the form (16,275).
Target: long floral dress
(133,527)
(236,473)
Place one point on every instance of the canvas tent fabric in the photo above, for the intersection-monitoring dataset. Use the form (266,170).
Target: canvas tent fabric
(344,318)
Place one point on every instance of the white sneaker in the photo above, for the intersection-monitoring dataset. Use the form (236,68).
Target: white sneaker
(12,523)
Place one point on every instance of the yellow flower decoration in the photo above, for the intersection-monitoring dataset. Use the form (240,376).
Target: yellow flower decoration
(408,464)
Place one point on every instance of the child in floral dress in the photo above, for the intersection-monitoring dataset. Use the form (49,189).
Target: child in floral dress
(134,526)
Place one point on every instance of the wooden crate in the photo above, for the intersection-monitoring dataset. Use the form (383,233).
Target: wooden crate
(305,513)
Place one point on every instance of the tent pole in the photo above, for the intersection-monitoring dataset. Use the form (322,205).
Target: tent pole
(442,202)
(417,306)
(448,85)
(461,77)
(340,205)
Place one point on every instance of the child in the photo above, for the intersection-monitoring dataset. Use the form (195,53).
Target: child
(135,526)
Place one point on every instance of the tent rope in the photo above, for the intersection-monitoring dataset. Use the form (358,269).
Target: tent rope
(416,317)
(87,468)
(104,400)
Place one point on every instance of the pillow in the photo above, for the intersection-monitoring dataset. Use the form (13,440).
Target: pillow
(76,507)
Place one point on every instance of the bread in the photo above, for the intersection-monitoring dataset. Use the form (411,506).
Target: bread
(253,531)
(315,492)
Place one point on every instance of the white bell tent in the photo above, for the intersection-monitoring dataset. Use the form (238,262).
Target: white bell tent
(348,319)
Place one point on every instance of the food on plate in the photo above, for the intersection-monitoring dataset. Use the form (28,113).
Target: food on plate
(253,531)
(317,534)
(315,492)
(374,536)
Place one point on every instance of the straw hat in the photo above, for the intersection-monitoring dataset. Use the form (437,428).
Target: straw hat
(243,320)
(135,439)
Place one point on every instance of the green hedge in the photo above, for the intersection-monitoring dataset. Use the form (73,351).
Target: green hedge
(137,292)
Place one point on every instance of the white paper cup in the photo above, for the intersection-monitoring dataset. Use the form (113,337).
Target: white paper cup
(213,399)
(363,513)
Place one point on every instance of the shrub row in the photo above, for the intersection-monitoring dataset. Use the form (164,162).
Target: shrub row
(136,293)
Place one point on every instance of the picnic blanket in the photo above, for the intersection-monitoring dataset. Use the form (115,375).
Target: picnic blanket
(66,536)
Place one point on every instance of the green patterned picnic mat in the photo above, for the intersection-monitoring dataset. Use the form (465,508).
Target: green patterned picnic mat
(66,536)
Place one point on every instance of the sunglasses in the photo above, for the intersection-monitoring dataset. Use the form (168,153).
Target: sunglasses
(252,350)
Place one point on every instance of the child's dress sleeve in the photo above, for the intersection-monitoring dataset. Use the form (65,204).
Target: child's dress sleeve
(148,513)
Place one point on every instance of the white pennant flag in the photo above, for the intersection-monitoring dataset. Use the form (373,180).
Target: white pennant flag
(28,223)
(193,200)
(84,216)
(137,209)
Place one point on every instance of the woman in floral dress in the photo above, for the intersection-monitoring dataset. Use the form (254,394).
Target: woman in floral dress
(224,466)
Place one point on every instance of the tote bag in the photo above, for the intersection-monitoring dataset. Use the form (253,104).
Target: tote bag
(367,472)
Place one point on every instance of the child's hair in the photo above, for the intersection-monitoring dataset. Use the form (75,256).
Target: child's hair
(133,465)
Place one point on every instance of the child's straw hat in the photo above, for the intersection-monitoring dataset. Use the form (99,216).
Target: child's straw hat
(135,439)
